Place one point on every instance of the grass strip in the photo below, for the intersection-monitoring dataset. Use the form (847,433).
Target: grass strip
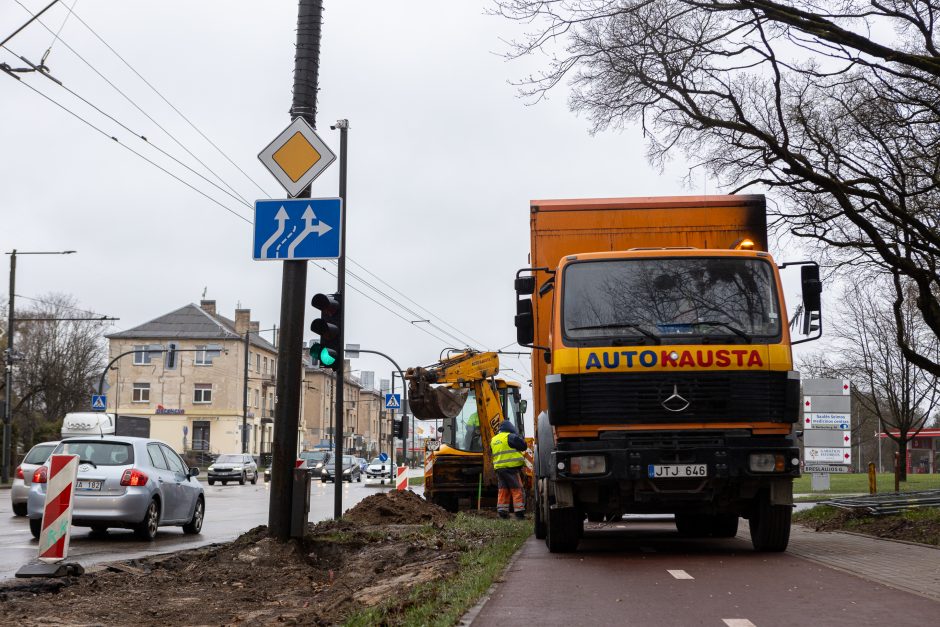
(416,480)
(917,525)
(488,545)
(857,483)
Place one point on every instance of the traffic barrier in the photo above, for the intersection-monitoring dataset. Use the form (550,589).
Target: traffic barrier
(402,481)
(57,511)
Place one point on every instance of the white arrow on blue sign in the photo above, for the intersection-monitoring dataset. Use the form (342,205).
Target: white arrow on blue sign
(99,402)
(393,401)
(302,228)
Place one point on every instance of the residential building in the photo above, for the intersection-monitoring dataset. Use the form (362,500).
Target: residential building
(194,391)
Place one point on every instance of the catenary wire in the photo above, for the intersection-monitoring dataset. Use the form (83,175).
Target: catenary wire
(164,99)
(135,105)
(62,305)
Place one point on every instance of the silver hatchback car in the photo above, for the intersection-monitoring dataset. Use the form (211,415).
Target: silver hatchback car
(23,476)
(135,483)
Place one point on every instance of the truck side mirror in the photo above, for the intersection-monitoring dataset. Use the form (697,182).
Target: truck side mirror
(812,288)
(525,325)
(525,285)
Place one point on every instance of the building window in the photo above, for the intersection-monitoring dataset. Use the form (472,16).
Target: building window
(141,355)
(265,365)
(256,399)
(206,353)
(141,393)
(257,362)
(202,393)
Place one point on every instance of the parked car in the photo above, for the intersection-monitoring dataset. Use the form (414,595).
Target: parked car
(380,473)
(363,464)
(23,476)
(135,483)
(233,467)
(351,470)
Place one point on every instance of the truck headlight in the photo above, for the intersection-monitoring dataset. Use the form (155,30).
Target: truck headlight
(587,465)
(766,462)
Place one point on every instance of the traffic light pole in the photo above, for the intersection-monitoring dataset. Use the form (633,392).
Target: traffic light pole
(404,398)
(339,432)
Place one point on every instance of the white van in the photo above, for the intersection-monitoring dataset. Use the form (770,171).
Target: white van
(79,424)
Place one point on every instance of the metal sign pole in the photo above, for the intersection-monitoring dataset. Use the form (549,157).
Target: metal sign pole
(343,126)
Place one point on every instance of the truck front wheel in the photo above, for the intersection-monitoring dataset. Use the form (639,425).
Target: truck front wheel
(770,525)
(563,529)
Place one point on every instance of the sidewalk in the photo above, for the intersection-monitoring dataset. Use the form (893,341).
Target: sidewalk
(909,567)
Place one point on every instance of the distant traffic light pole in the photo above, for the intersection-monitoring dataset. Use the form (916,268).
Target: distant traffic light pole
(404,394)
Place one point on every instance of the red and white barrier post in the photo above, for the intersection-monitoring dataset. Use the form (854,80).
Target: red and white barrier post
(402,480)
(57,511)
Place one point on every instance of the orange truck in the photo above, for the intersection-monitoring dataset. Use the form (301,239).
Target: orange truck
(663,377)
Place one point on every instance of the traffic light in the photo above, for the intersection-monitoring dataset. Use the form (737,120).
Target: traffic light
(326,350)
(400,429)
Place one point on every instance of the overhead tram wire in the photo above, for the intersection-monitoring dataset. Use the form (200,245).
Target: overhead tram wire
(134,104)
(141,137)
(461,340)
(473,341)
(131,150)
(62,305)
(164,99)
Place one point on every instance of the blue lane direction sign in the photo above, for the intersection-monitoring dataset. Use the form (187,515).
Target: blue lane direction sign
(99,402)
(393,401)
(383,457)
(303,228)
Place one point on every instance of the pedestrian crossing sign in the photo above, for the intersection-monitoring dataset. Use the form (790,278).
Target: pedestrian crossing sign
(99,402)
(393,401)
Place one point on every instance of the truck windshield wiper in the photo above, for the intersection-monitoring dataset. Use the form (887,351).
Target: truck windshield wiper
(719,323)
(619,325)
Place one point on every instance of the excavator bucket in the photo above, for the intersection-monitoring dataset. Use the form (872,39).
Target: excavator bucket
(430,403)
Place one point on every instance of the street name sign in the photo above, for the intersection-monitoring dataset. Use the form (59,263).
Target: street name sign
(825,468)
(827,421)
(828,454)
(99,402)
(302,228)
(297,156)
(393,401)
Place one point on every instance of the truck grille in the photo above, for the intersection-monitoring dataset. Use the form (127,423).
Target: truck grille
(627,398)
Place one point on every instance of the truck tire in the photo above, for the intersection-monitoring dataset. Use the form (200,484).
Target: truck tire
(692,525)
(563,529)
(770,526)
(725,525)
(538,514)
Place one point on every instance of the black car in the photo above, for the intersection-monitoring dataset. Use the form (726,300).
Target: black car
(351,470)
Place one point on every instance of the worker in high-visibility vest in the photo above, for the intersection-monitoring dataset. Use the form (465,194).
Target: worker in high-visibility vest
(507,447)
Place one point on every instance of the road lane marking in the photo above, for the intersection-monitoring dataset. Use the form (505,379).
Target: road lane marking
(738,622)
(680,574)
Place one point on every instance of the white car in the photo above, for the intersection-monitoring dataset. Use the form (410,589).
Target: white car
(23,476)
(380,473)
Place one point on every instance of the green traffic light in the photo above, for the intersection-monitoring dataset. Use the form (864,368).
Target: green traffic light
(325,358)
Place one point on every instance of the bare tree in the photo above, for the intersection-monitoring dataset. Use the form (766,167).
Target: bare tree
(56,366)
(901,395)
(833,105)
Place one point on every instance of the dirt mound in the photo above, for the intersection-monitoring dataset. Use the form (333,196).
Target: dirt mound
(397,508)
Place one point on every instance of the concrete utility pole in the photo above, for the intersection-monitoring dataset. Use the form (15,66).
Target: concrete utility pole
(293,293)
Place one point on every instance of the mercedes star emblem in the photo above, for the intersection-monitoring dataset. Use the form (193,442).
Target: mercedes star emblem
(676,402)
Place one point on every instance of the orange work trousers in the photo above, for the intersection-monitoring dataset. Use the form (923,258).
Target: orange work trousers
(509,481)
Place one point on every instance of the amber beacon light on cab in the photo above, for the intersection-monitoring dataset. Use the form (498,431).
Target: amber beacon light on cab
(662,366)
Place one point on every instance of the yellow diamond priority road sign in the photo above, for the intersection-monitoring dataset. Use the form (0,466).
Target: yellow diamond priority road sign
(297,156)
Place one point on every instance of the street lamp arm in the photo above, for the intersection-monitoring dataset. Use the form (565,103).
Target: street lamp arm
(397,367)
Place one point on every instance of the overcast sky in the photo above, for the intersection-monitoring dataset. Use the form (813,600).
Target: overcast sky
(443,160)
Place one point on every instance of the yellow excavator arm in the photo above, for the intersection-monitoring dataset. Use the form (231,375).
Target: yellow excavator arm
(471,371)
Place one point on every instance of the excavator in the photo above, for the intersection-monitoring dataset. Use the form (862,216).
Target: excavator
(463,392)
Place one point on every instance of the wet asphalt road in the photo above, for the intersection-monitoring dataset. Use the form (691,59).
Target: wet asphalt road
(230,511)
(642,573)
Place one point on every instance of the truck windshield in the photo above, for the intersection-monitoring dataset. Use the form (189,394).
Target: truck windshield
(644,300)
